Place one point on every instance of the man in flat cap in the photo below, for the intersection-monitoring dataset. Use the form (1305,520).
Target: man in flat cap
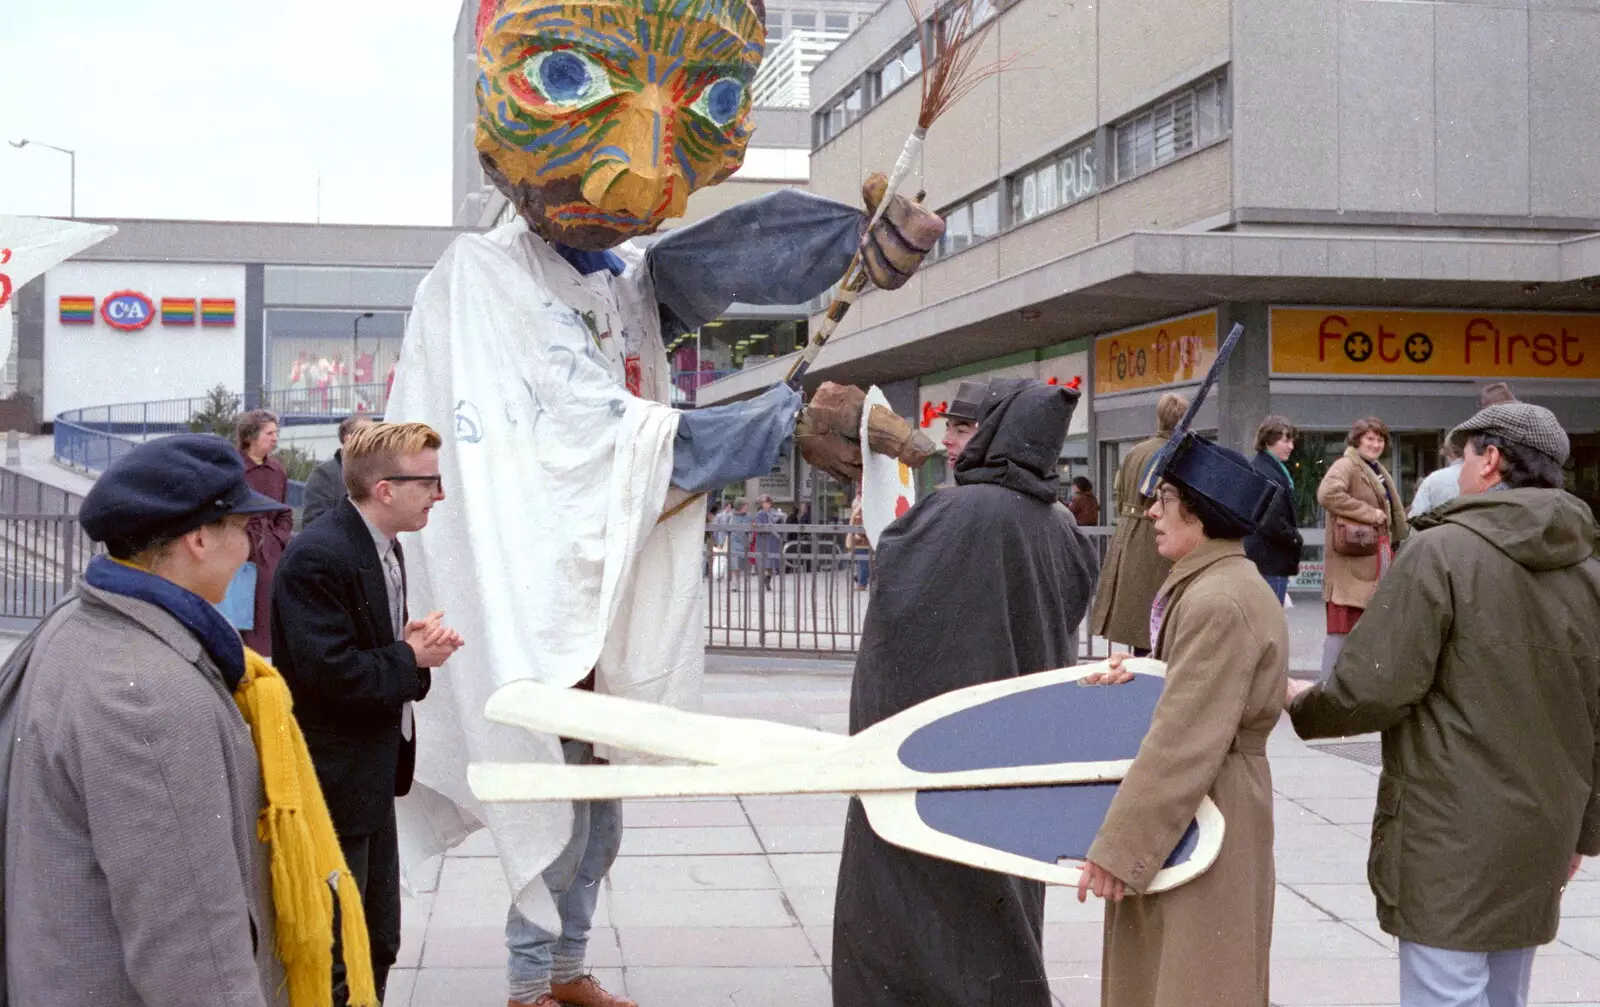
(961,418)
(1479,660)
(133,873)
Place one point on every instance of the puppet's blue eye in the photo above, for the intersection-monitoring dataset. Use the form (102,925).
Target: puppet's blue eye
(720,103)
(567,78)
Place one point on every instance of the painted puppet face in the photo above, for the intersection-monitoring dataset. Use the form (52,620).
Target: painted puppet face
(598,118)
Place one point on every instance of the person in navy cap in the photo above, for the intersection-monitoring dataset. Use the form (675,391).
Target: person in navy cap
(133,873)
(1224,638)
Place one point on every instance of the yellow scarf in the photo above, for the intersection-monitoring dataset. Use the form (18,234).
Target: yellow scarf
(305,851)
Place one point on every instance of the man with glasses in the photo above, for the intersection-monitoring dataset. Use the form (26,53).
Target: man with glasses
(356,661)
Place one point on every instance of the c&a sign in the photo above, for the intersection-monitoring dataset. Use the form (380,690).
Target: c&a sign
(1372,342)
(1166,353)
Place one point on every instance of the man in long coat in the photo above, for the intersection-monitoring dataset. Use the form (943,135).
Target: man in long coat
(979,582)
(1225,640)
(1134,570)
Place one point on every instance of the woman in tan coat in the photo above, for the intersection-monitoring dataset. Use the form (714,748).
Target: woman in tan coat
(1358,489)
(1223,635)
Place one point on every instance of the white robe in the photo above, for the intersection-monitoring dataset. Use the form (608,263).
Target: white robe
(546,554)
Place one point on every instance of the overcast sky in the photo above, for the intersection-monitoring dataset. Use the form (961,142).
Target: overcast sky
(227,110)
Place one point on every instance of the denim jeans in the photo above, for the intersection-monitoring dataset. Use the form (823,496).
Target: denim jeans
(1436,977)
(1279,585)
(863,566)
(536,955)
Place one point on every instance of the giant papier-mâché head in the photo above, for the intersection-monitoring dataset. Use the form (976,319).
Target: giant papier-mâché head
(598,118)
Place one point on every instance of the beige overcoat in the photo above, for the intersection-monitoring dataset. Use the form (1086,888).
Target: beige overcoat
(1351,490)
(1207,943)
(1133,570)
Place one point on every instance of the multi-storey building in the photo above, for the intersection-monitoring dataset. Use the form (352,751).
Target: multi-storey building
(1396,200)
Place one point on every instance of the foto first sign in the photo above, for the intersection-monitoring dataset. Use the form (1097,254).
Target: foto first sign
(1168,352)
(1364,342)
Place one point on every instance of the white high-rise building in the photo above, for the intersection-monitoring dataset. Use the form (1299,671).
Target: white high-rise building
(784,80)
(799,34)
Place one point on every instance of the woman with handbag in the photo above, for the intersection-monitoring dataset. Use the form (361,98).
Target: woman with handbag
(1366,521)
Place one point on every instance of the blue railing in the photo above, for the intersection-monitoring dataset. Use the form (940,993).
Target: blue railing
(92,438)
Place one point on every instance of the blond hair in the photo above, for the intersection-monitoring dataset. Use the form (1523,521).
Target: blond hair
(372,452)
(1169,410)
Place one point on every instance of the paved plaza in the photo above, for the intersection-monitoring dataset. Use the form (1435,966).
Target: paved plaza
(730,902)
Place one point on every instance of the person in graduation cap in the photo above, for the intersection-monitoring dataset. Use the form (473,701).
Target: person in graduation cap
(1224,638)
(984,581)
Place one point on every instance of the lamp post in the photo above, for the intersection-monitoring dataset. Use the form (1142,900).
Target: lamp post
(355,347)
(72,158)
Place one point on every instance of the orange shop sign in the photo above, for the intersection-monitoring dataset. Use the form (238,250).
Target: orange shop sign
(1363,342)
(1166,353)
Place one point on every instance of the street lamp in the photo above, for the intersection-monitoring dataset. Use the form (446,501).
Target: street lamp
(72,157)
(355,345)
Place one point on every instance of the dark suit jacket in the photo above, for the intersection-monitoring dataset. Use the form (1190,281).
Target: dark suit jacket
(1275,546)
(334,644)
(324,488)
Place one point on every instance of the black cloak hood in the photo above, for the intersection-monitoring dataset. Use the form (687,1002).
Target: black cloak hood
(1019,438)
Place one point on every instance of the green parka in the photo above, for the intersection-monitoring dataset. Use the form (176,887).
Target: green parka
(1479,660)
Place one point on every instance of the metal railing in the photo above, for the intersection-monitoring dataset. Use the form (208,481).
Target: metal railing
(41,558)
(788,587)
(330,404)
(686,385)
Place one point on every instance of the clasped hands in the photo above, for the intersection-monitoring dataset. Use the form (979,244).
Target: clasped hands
(431,641)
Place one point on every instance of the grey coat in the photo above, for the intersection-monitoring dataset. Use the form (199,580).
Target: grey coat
(133,874)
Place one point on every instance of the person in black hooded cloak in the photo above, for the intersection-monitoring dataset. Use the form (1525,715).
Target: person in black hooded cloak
(982,581)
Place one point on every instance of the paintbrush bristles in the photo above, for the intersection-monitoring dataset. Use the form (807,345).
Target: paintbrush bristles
(949,51)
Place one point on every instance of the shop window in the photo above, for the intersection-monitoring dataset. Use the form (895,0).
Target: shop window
(969,223)
(1176,125)
(320,361)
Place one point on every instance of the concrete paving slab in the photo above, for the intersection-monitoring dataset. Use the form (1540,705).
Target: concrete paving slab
(700,909)
(679,873)
(779,839)
(730,987)
(716,947)
(671,841)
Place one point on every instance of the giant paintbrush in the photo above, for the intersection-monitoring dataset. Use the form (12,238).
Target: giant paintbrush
(949,51)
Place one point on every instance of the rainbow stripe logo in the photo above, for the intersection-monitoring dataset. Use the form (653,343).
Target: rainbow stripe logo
(177,311)
(216,311)
(77,310)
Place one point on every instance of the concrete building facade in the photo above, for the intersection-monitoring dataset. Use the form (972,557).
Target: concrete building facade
(1393,198)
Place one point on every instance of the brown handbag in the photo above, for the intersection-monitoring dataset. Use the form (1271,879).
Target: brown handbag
(1351,538)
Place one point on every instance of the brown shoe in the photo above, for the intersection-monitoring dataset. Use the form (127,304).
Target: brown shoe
(545,1001)
(586,991)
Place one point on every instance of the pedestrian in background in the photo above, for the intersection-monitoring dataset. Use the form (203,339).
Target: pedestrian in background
(1134,569)
(325,486)
(161,813)
(1275,545)
(1365,523)
(1479,660)
(257,438)
(768,543)
(1083,504)
(859,545)
(1440,486)
(356,661)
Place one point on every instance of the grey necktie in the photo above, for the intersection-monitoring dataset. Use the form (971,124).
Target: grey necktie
(397,601)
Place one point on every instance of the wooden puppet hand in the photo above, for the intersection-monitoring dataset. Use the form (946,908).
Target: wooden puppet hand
(897,244)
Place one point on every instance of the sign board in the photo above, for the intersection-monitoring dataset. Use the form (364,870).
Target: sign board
(779,483)
(888,485)
(1168,352)
(1380,343)
(1307,578)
